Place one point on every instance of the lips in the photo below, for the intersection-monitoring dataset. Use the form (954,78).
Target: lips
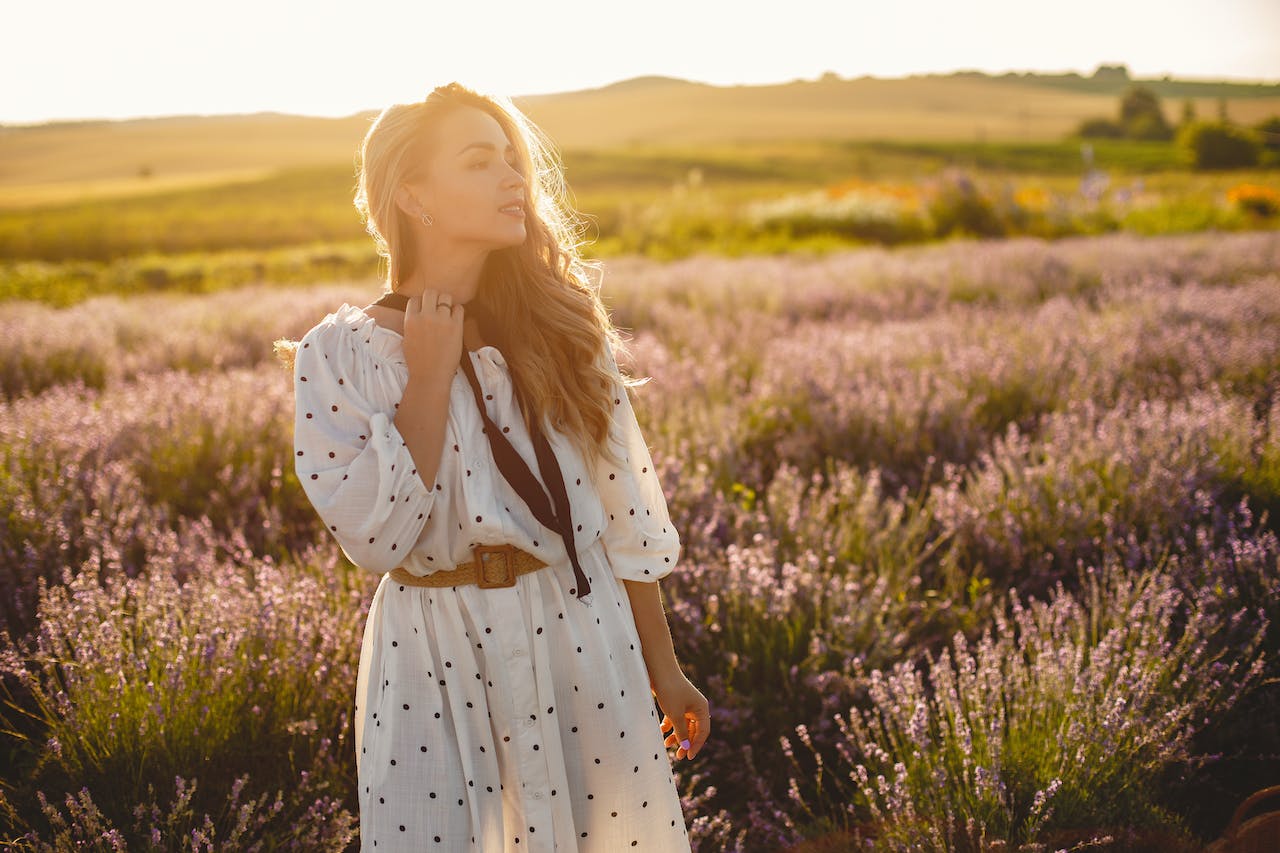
(516,209)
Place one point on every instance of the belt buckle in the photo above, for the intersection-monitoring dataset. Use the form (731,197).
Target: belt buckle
(488,573)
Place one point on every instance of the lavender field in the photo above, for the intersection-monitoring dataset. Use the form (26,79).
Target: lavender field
(980,552)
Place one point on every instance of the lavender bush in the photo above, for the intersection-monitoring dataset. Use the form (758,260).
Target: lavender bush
(1033,507)
(1059,719)
(108,340)
(135,684)
(102,475)
(891,395)
(695,306)
(869,455)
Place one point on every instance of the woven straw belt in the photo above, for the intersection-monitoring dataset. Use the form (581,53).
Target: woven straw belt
(494,566)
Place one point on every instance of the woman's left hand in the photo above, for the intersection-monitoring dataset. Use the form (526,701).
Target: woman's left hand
(686,712)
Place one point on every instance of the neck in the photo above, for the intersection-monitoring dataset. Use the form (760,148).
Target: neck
(456,274)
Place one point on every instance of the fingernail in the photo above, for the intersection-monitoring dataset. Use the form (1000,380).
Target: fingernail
(685,744)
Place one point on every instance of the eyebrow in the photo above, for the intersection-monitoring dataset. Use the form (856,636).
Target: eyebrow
(489,145)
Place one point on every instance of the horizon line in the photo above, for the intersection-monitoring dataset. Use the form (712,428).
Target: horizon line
(1166,76)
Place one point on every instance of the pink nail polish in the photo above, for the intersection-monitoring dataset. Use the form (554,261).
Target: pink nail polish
(685,744)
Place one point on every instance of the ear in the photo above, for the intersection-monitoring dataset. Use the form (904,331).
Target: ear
(408,201)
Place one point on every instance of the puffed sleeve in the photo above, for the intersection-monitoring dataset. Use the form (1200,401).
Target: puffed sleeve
(641,541)
(351,460)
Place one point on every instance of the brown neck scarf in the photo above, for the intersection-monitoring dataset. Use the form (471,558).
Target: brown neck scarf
(553,514)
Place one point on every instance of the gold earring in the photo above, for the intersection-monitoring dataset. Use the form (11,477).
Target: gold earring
(427,218)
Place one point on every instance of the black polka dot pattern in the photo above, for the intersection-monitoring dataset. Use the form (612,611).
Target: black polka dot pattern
(642,542)
(360,475)
(466,695)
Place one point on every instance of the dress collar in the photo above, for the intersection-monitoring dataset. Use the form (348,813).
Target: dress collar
(388,343)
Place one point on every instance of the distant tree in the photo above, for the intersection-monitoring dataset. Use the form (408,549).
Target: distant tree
(1100,128)
(1269,130)
(1112,73)
(1140,115)
(1188,112)
(1222,108)
(1149,127)
(1214,145)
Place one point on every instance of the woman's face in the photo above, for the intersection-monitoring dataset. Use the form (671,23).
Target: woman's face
(470,184)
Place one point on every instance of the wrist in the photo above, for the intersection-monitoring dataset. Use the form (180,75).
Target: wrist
(666,672)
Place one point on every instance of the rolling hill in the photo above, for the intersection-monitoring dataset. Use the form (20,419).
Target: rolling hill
(64,161)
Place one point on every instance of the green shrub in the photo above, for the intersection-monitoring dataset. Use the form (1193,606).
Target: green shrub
(1100,128)
(1214,145)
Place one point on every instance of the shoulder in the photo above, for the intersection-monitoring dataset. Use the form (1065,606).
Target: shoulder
(346,336)
(386,318)
(331,356)
(336,327)
(321,349)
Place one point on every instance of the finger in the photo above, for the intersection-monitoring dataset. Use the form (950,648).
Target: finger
(681,734)
(702,730)
(672,739)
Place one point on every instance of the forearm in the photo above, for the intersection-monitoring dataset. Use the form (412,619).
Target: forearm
(651,624)
(421,418)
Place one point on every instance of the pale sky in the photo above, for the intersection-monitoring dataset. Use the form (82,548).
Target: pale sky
(62,59)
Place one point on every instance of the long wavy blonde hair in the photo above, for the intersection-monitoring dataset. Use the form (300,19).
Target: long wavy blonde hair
(541,294)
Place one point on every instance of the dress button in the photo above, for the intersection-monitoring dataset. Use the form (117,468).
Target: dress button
(528,722)
(518,652)
(537,795)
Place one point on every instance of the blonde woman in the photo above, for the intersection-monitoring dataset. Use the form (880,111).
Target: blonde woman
(469,436)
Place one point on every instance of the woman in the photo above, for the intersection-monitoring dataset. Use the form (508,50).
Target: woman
(517,639)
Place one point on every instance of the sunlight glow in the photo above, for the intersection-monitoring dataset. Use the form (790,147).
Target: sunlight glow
(337,57)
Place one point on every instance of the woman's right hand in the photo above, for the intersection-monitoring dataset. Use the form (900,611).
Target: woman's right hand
(432,351)
(432,335)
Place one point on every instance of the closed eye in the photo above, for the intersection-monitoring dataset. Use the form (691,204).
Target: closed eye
(485,163)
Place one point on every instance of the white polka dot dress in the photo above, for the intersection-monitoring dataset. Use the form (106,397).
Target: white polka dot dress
(488,720)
